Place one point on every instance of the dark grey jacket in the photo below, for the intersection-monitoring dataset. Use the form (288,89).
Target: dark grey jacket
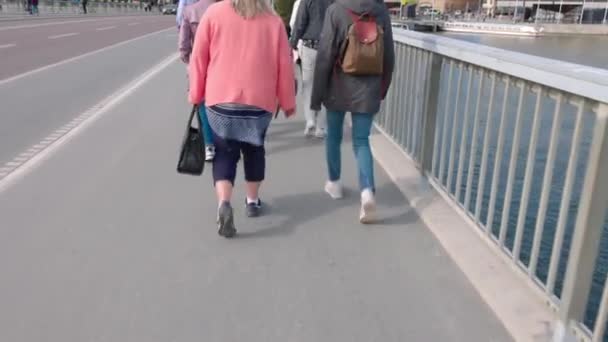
(309,21)
(336,90)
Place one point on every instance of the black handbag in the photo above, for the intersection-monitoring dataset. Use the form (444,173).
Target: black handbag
(192,155)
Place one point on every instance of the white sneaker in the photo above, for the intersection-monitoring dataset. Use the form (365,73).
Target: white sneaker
(334,189)
(320,133)
(209,153)
(309,131)
(368,207)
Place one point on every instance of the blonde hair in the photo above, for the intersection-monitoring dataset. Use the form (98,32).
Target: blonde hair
(251,8)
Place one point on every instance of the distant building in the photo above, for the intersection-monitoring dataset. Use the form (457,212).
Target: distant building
(447,6)
(444,6)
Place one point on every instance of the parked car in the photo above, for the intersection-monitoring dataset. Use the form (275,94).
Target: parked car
(169,9)
(431,12)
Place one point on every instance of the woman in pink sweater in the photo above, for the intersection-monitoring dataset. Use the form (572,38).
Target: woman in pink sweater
(241,68)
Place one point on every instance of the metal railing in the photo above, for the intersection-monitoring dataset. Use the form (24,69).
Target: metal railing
(519,144)
(63,7)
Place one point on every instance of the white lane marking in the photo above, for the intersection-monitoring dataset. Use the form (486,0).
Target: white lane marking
(6,28)
(57,36)
(132,24)
(6,46)
(72,59)
(14,170)
(105,28)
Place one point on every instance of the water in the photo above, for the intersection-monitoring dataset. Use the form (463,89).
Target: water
(587,50)
(591,51)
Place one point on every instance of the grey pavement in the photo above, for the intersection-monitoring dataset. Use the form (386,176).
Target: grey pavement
(104,241)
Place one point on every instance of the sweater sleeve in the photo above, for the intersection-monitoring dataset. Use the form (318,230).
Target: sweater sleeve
(199,61)
(286,92)
(179,13)
(389,56)
(326,60)
(300,24)
(185,40)
(294,13)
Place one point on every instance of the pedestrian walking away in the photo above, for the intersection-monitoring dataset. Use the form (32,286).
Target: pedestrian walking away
(34,10)
(192,15)
(241,66)
(353,72)
(180,11)
(84,6)
(307,28)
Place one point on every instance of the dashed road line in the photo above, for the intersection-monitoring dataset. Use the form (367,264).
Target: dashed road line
(105,28)
(72,59)
(58,36)
(28,160)
(16,27)
(6,46)
(132,24)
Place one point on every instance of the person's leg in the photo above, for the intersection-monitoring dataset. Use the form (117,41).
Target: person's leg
(321,123)
(207,133)
(254,162)
(224,174)
(362,123)
(308,57)
(335,123)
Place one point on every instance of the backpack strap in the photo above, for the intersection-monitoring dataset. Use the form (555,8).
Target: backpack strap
(365,30)
(357,17)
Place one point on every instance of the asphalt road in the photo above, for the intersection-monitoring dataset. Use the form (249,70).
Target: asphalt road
(101,240)
(36,105)
(31,45)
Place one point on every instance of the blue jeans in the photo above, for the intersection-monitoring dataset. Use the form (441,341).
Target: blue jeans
(206,129)
(362,124)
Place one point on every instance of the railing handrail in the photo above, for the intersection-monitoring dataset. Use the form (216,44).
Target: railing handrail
(585,81)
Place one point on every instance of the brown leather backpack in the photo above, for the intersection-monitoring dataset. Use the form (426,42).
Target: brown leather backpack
(363,53)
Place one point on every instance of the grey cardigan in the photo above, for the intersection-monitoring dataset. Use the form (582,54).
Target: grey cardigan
(336,90)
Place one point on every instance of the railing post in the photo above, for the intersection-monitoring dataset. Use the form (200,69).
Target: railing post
(587,231)
(429,119)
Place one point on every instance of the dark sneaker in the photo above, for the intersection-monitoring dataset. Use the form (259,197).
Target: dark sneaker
(225,221)
(254,209)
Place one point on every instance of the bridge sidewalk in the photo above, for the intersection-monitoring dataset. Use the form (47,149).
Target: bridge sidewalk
(108,243)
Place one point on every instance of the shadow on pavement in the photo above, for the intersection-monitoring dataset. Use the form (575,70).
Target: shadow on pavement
(301,208)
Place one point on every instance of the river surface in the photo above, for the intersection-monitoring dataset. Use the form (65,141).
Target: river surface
(586,50)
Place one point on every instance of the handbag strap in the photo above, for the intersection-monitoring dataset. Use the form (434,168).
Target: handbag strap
(198,118)
(193,113)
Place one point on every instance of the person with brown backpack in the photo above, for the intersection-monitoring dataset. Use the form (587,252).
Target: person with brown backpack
(353,72)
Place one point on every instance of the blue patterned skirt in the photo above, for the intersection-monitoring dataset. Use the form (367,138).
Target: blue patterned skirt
(239,122)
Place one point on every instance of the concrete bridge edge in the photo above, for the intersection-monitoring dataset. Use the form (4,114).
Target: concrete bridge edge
(518,303)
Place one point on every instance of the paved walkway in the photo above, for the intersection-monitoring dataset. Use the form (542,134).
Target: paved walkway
(105,242)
